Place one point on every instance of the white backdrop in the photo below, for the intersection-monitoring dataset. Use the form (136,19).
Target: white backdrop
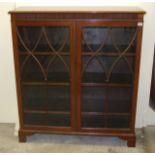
(8,101)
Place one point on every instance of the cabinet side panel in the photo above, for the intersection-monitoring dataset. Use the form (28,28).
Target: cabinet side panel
(136,77)
(17,70)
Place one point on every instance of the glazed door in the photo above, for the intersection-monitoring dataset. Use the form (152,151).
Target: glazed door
(46,59)
(106,60)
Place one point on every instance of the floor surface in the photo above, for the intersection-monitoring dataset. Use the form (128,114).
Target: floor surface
(68,143)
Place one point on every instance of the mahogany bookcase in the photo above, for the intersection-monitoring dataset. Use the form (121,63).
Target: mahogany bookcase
(77,70)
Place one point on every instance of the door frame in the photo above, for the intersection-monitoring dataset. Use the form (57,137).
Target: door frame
(100,23)
(51,23)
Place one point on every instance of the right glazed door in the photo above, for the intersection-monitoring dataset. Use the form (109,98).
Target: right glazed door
(106,72)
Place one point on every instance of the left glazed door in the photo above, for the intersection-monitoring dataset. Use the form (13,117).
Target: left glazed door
(46,73)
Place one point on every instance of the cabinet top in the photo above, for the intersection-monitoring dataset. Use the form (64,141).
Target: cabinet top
(78,10)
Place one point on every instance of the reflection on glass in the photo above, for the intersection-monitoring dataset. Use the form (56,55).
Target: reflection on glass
(108,55)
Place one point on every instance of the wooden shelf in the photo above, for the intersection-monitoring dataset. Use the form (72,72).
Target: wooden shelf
(52,103)
(43,47)
(83,84)
(44,119)
(45,83)
(46,112)
(101,104)
(60,78)
(104,113)
(111,54)
(105,85)
(118,79)
(106,48)
(45,53)
(103,121)
(89,79)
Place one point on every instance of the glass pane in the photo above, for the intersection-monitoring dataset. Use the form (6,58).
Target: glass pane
(34,97)
(108,39)
(93,99)
(59,98)
(45,73)
(118,122)
(35,119)
(58,106)
(28,37)
(44,53)
(59,69)
(108,54)
(93,107)
(101,69)
(41,103)
(93,38)
(43,39)
(119,100)
(58,120)
(46,119)
(33,68)
(39,68)
(93,121)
